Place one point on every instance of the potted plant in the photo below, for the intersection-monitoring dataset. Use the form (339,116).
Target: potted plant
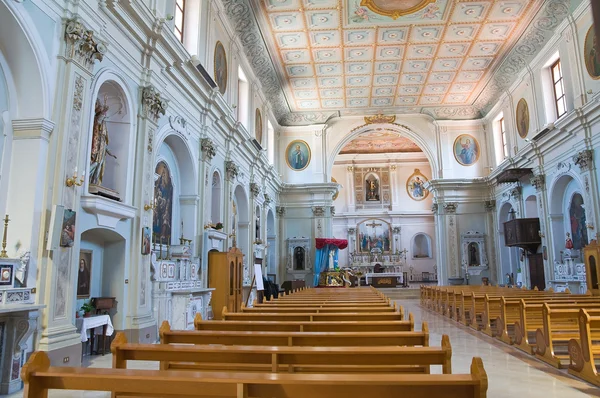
(87,309)
(219,226)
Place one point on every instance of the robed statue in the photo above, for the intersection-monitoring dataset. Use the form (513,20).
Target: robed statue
(99,143)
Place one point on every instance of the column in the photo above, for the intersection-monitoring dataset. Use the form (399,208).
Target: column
(282,250)
(351,244)
(449,259)
(140,322)
(539,183)
(57,278)
(208,152)
(490,227)
(394,188)
(350,197)
(584,159)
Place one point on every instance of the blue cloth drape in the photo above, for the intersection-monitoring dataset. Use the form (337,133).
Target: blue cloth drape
(322,261)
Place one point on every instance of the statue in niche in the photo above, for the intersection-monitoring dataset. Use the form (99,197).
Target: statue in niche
(372,189)
(257,227)
(299,258)
(473,255)
(99,143)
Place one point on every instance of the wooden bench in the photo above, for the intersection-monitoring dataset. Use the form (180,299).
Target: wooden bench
(307,316)
(315,326)
(584,351)
(274,303)
(317,310)
(293,339)
(275,359)
(39,377)
(560,325)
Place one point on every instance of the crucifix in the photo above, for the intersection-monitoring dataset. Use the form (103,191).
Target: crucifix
(373,224)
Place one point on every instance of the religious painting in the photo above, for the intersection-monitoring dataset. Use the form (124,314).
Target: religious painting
(258,126)
(414,186)
(473,253)
(220,67)
(335,195)
(84,274)
(6,275)
(395,8)
(578,222)
(591,54)
(466,150)
(297,155)
(523,118)
(374,234)
(67,234)
(372,188)
(146,240)
(163,200)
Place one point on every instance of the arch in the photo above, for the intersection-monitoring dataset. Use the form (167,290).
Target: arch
(562,191)
(531,209)
(421,246)
(216,199)
(183,155)
(397,128)
(27,60)
(242,223)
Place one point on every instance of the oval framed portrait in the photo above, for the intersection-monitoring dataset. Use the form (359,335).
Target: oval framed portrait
(466,150)
(335,195)
(414,186)
(220,65)
(522,118)
(297,155)
(592,57)
(258,126)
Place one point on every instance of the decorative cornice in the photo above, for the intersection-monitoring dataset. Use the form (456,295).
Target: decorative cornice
(254,189)
(450,207)
(583,159)
(380,118)
(153,106)
(208,149)
(538,181)
(489,205)
(318,211)
(81,44)
(231,169)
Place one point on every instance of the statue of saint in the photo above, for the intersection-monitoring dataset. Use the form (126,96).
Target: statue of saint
(99,144)
(372,189)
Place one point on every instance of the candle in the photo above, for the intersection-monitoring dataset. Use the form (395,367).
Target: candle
(75,170)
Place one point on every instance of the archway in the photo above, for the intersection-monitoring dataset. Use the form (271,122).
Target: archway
(567,216)
(242,222)
(215,205)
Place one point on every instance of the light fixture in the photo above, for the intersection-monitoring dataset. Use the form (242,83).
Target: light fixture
(74,181)
(150,206)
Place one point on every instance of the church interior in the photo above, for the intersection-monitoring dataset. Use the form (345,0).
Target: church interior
(281,198)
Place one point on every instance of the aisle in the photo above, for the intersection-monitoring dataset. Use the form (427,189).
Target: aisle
(510,372)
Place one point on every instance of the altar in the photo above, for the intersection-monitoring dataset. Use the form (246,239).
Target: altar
(384,279)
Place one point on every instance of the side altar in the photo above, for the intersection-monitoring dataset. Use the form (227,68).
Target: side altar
(179,292)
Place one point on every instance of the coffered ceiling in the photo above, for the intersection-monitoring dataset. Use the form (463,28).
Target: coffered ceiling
(446,58)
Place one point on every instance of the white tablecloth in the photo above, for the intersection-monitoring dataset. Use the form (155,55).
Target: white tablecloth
(385,274)
(84,325)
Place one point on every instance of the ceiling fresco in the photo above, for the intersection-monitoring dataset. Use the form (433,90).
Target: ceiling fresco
(380,142)
(450,59)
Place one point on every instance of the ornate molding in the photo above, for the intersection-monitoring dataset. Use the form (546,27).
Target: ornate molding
(153,106)
(318,211)
(583,159)
(178,124)
(208,149)
(351,231)
(81,44)
(332,210)
(254,189)
(538,181)
(231,169)
(450,207)
(380,118)
(489,205)
(515,193)
(396,230)
(434,208)
(280,210)
(268,199)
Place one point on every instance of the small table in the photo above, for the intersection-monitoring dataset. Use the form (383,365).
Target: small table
(87,326)
(388,279)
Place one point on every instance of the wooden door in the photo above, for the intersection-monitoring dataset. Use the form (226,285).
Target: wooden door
(536,271)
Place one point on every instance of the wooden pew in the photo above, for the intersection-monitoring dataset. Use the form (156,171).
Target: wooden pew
(39,377)
(560,325)
(285,359)
(317,310)
(293,339)
(316,326)
(584,351)
(307,316)
(274,303)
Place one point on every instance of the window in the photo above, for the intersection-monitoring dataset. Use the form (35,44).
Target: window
(270,143)
(559,89)
(243,98)
(179,17)
(503,137)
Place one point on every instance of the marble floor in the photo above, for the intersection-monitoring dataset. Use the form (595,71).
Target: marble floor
(510,372)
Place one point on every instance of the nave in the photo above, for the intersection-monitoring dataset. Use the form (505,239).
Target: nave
(510,373)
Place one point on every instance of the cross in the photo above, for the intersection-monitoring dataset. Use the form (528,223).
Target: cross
(373,225)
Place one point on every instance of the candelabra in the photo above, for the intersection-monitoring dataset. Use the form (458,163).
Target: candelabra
(74,180)
(3,253)
(150,206)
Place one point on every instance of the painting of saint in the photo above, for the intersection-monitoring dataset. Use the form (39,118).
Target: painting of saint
(372,189)
(414,186)
(84,274)
(220,67)
(99,144)
(523,118)
(466,150)
(297,155)
(67,234)
(374,234)
(146,240)
(163,199)
(591,54)
(578,223)
(258,126)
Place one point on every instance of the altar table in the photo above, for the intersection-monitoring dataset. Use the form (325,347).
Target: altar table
(384,279)
(86,327)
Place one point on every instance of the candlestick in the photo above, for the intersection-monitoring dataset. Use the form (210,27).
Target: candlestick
(3,253)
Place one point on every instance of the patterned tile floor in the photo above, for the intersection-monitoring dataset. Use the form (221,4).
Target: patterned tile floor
(510,372)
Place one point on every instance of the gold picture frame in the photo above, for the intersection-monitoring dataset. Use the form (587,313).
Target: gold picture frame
(466,153)
(414,186)
(298,155)
(522,118)
(220,67)
(376,7)
(589,51)
(258,126)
